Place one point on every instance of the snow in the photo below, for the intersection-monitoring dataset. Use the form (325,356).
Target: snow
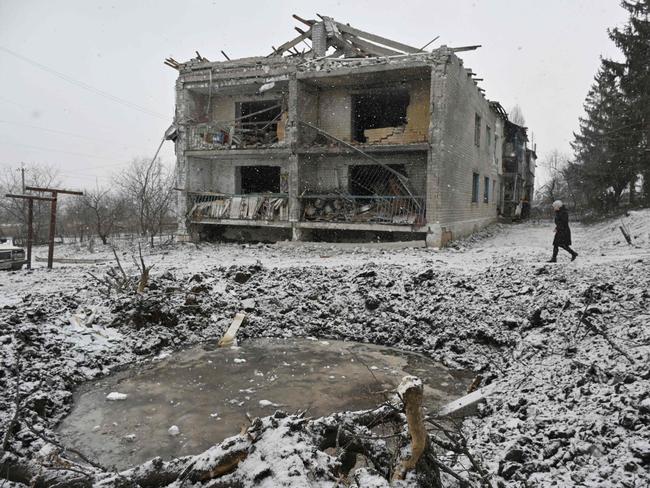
(174,431)
(571,408)
(115,396)
(267,403)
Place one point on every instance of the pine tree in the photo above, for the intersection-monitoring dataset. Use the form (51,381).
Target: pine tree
(601,146)
(634,41)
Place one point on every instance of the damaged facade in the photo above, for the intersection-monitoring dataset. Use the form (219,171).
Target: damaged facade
(355,134)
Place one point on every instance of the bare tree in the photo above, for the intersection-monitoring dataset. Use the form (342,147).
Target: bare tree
(148,186)
(559,185)
(516,116)
(14,211)
(105,210)
(76,219)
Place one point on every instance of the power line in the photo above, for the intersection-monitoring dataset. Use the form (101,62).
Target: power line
(83,85)
(40,148)
(56,131)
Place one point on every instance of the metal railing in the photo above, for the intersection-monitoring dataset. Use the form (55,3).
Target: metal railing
(377,209)
(204,206)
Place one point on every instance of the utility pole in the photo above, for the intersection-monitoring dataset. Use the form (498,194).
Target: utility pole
(55,192)
(30,219)
(22,177)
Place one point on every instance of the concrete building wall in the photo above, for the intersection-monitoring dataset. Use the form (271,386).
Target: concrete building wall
(458,156)
(335,112)
(221,175)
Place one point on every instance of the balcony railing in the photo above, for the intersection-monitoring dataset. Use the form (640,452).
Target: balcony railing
(204,206)
(377,209)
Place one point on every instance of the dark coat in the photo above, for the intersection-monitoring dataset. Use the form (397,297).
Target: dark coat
(562,231)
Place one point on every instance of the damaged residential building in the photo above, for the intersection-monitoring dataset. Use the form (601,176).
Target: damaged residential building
(336,134)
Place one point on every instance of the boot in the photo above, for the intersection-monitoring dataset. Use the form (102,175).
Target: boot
(552,260)
(574,256)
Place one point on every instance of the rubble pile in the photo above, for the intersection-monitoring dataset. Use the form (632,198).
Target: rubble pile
(569,349)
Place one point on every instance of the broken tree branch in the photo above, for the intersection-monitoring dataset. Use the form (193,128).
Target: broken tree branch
(412,391)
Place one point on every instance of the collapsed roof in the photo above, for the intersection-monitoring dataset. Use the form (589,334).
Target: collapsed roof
(327,38)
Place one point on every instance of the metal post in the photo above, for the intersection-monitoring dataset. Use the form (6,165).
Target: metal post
(30,231)
(50,250)
(55,192)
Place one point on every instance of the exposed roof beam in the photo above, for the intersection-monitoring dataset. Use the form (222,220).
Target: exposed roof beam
(374,38)
(464,48)
(369,47)
(304,21)
(348,49)
(291,43)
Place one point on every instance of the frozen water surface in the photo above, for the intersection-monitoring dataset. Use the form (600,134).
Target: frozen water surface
(206,392)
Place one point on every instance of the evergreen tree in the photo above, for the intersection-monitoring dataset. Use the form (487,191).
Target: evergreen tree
(601,146)
(634,41)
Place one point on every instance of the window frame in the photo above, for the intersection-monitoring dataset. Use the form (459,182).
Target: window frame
(476,182)
(486,189)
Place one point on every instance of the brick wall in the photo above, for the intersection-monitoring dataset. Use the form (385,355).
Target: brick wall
(456,156)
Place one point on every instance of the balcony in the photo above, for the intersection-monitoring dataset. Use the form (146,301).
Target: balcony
(206,207)
(251,135)
(374,209)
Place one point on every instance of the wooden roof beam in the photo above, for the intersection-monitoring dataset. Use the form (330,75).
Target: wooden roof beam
(349,50)
(289,44)
(304,21)
(378,39)
(369,47)
(464,48)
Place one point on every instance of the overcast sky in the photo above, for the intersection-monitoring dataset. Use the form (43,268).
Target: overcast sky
(86,89)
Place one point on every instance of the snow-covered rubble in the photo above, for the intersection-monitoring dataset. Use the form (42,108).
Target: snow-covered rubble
(568,343)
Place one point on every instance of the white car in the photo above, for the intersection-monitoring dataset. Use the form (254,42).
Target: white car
(11,257)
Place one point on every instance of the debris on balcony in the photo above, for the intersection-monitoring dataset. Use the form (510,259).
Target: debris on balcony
(385,209)
(239,207)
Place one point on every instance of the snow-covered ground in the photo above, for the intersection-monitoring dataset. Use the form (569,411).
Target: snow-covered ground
(567,343)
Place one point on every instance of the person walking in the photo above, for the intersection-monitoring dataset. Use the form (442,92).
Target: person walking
(562,232)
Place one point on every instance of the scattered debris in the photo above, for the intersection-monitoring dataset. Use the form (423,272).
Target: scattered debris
(114,396)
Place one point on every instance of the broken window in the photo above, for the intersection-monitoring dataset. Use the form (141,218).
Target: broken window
(258,121)
(477,129)
(373,179)
(475,183)
(259,179)
(486,190)
(378,110)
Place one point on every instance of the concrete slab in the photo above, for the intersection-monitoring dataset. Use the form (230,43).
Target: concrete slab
(468,405)
(353,245)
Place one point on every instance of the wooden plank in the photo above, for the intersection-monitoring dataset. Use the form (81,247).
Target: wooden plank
(29,197)
(374,38)
(304,21)
(291,43)
(369,47)
(464,48)
(348,49)
(53,190)
(228,338)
